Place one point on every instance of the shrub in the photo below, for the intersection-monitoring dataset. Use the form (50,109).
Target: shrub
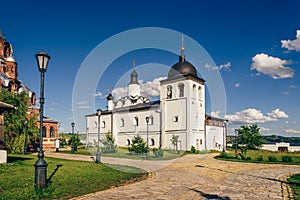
(158,152)
(260,158)
(193,149)
(138,145)
(248,158)
(286,159)
(272,158)
(223,155)
(108,145)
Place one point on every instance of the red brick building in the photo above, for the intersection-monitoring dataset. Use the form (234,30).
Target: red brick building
(9,81)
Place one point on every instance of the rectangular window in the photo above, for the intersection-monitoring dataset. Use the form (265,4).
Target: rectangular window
(175,118)
(200,141)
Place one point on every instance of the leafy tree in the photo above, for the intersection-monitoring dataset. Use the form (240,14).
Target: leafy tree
(75,139)
(16,131)
(138,145)
(174,140)
(108,145)
(249,138)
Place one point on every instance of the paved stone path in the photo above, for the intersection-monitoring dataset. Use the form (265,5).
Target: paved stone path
(202,177)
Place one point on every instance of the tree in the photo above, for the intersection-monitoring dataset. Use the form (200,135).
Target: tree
(109,144)
(138,145)
(174,140)
(16,131)
(249,138)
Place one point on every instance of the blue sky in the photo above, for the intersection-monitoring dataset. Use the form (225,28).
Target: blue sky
(244,38)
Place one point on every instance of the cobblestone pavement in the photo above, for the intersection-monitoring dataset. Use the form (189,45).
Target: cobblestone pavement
(202,177)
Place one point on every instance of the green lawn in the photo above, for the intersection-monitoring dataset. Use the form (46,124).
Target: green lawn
(294,182)
(73,178)
(124,153)
(263,156)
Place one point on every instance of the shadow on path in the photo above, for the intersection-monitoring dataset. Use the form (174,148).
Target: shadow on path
(209,196)
(261,177)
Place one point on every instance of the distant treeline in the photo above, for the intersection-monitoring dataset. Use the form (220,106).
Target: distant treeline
(294,141)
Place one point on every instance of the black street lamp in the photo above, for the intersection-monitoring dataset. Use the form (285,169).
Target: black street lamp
(25,136)
(98,155)
(41,165)
(235,148)
(73,138)
(147,151)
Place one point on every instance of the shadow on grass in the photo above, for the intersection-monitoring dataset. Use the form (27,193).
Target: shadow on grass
(12,159)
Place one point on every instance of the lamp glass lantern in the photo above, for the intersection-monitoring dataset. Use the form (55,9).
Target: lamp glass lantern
(42,60)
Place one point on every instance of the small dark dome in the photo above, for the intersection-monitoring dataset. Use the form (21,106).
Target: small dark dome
(182,68)
(110,97)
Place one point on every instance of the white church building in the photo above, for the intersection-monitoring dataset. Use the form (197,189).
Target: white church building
(180,111)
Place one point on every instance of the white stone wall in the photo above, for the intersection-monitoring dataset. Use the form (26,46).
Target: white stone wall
(214,137)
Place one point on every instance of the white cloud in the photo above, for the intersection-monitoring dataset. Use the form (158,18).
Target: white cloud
(51,109)
(293,86)
(292,131)
(276,114)
(225,66)
(119,92)
(292,44)
(55,104)
(215,114)
(150,88)
(237,85)
(264,129)
(82,103)
(272,66)
(286,93)
(98,94)
(254,116)
(84,107)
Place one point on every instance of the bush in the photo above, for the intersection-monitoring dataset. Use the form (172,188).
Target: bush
(138,145)
(260,158)
(248,158)
(286,159)
(158,152)
(223,155)
(193,149)
(108,145)
(272,158)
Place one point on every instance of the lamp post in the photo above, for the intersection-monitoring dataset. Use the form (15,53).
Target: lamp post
(147,151)
(98,158)
(73,138)
(235,149)
(224,135)
(25,136)
(41,165)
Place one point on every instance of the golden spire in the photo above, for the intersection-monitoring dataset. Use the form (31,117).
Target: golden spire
(182,57)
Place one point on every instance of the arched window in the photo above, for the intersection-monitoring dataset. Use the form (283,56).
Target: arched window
(44,132)
(122,123)
(169,92)
(127,142)
(181,89)
(199,93)
(135,121)
(152,142)
(52,133)
(194,91)
(103,124)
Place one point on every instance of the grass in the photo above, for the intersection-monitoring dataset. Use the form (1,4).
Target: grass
(294,182)
(124,153)
(73,178)
(263,156)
